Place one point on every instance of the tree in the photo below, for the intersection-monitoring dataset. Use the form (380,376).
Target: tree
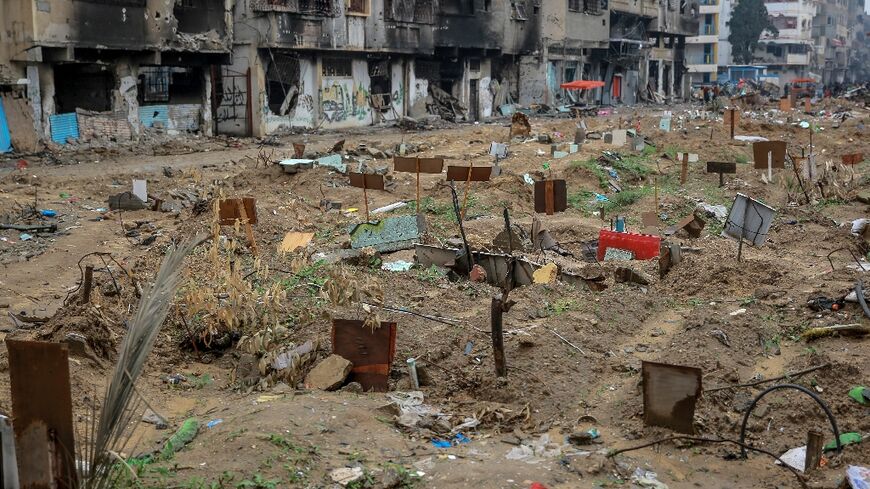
(748,20)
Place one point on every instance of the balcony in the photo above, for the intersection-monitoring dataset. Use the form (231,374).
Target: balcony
(706,39)
(708,9)
(701,59)
(797,59)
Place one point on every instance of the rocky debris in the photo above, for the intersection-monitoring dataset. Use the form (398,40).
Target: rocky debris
(329,374)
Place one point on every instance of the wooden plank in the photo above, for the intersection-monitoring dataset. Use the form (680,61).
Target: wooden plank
(42,411)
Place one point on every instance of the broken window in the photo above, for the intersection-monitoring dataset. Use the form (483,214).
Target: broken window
(518,10)
(427,70)
(282,83)
(83,86)
(196,16)
(118,3)
(327,8)
(575,5)
(457,7)
(474,65)
(337,67)
(170,84)
(381,84)
(418,11)
(357,7)
(154,84)
(592,6)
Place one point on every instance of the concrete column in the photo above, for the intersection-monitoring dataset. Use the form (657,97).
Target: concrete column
(35,96)
(671,78)
(660,79)
(46,89)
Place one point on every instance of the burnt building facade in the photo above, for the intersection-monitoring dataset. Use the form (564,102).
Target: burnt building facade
(93,70)
(646,56)
(344,63)
(117,69)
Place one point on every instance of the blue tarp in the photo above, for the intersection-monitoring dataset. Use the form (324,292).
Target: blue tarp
(5,140)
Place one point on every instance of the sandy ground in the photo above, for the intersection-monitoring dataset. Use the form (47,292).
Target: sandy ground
(284,437)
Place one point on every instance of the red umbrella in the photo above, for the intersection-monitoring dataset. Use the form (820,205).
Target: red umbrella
(582,84)
(803,80)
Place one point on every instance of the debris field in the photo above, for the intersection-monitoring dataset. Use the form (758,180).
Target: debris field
(532,300)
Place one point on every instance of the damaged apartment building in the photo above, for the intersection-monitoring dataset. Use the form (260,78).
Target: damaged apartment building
(343,63)
(83,70)
(109,70)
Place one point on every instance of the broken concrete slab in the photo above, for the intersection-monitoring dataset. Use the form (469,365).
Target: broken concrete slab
(329,374)
(293,165)
(332,161)
(390,234)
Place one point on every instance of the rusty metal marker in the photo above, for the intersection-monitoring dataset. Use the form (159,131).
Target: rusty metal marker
(230,210)
(669,395)
(551,196)
(853,159)
(370,350)
(42,408)
(366,182)
(776,149)
(243,210)
(722,167)
(418,166)
(732,117)
(468,174)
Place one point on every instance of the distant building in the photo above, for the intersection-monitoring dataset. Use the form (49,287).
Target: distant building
(702,49)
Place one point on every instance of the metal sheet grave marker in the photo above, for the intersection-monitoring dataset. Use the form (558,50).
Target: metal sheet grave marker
(670,393)
(722,167)
(468,174)
(43,424)
(418,165)
(370,350)
(243,210)
(731,119)
(748,219)
(769,155)
(853,159)
(366,182)
(551,196)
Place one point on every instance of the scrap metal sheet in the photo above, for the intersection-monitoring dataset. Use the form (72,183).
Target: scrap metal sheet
(390,234)
(41,404)
(670,393)
(760,150)
(460,173)
(367,181)
(228,210)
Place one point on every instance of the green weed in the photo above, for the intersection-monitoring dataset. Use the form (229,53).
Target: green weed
(258,482)
(430,275)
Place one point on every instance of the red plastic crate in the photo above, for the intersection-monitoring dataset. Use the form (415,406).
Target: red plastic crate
(644,246)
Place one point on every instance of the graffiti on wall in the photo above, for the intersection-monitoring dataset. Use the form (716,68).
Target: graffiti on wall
(340,101)
(233,98)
